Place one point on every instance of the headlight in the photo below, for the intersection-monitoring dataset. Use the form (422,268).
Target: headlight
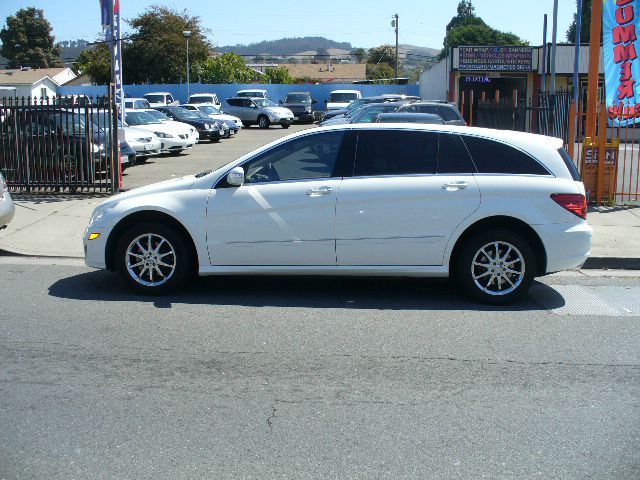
(207,126)
(95,148)
(307,109)
(3,187)
(97,216)
(163,135)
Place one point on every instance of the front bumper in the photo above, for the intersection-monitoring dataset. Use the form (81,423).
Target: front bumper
(146,149)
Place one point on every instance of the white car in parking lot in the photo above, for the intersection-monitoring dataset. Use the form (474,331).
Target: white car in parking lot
(174,136)
(492,209)
(7,208)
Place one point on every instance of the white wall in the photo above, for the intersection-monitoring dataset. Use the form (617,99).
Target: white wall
(434,82)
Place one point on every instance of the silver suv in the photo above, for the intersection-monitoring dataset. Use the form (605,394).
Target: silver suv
(259,111)
(448,111)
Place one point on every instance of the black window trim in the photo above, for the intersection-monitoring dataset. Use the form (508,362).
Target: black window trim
(499,140)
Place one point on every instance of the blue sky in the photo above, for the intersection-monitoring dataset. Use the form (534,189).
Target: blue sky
(364,23)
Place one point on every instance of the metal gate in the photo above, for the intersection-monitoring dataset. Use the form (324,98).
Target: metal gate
(62,144)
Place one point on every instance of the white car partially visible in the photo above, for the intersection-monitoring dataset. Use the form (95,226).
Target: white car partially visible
(7,208)
(174,136)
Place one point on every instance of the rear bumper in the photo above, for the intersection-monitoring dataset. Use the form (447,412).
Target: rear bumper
(567,245)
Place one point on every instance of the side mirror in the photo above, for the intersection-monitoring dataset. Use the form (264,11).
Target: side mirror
(235,177)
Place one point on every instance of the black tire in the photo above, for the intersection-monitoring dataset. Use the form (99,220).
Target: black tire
(246,124)
(173,263)
(263,121)
(495,267)
(286,125)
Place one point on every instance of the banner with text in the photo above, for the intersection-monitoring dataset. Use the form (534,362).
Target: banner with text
(621,62)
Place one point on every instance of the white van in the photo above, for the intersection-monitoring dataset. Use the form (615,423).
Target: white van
(208,98)
(160,99)
(339,99)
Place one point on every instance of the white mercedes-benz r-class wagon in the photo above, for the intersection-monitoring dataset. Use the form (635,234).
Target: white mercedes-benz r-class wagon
(492,209)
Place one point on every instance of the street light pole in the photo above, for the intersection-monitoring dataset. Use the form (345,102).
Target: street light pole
(394,23)
(187,34)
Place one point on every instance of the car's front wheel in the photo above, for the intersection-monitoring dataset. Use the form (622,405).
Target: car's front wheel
(496,267)
(263,121)
(154,259)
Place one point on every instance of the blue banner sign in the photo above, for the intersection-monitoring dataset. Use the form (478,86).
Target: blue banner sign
(621,62)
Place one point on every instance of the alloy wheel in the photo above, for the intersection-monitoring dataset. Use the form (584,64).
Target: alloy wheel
(498,268)
(150,260)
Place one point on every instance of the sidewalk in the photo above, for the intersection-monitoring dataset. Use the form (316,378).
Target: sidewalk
(52,226)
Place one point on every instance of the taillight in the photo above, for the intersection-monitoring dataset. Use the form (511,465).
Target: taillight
(575,203)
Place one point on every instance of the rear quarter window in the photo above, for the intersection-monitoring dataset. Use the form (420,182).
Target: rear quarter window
(491,156)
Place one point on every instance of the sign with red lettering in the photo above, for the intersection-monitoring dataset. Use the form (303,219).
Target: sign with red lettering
(621,62)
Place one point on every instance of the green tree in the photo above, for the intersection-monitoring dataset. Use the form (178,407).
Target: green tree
(382,54)
(227,68)
(27,40)
(95,62)
(585,25)
(156,52)
(359,53)
(277,75)
(468,29)
(380,71)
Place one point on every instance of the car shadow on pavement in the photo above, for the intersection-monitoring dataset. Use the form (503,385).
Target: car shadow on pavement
(376,293)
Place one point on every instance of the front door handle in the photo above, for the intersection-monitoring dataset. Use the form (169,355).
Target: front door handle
(455,186)
(316,192)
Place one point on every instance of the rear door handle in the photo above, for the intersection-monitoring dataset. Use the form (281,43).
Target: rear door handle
(316,192)
(455,186)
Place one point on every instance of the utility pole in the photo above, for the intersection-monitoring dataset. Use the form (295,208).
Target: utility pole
(554,34)
(394,23)
(187,34)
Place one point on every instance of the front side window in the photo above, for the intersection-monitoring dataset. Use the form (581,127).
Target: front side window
(395,153)
(308,157)
(491,156)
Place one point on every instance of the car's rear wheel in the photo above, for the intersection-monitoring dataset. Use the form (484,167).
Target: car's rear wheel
(263,121)
(154,259)
(286,125)
(496,267)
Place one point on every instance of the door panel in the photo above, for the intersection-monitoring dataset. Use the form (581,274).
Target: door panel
(284,223)
(401,220)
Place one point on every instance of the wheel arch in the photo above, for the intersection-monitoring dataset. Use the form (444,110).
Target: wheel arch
(504,223)
(142,217)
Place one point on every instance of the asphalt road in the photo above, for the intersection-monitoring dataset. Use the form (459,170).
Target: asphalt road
(308,378)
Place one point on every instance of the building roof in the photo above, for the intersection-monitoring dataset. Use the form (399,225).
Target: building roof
(334,72)
(28,77)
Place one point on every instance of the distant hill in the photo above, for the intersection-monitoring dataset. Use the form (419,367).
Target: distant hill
(286,46)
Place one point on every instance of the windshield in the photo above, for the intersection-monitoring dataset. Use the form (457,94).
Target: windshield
(355,104)
(209,110)
(183,113)
(263,102)
(343,97)
(201,99)
(73,124)
(251,93)
(155,98)
(139,118)
(158,116)
(297,98)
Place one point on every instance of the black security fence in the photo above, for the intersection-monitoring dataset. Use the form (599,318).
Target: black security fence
(545,113)
(62,144)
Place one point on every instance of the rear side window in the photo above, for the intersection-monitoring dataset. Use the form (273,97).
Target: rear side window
(491,156)
(570,165)
(234,102)
(395,153)
(453,156)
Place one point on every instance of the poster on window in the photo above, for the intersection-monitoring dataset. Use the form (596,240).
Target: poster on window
(621,62)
